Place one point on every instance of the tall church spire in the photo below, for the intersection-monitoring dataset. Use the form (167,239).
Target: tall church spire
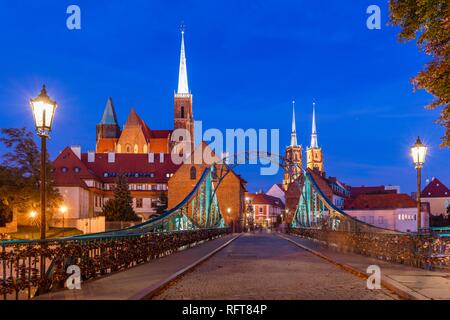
(314,143)
(183,87)
(294,131)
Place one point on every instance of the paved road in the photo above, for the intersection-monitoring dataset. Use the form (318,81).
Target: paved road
(264,266)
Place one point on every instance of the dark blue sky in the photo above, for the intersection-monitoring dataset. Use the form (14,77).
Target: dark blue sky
(246,61)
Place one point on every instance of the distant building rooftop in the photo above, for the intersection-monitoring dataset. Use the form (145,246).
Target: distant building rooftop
(380,201)
(435,189)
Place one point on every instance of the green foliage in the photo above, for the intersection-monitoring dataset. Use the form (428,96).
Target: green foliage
(20,173)
(428,21)
(120,208)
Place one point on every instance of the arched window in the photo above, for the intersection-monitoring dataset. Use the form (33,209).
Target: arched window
(145,149)
(193,173)
(128,148)
(182,111)
(136,149)
(119,148)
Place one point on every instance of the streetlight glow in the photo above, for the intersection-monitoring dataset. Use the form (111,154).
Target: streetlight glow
(43,109)
(33,214)
(63,209)
(418,153)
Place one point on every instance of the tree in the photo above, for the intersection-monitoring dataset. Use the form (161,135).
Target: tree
(120,207)
(20,173)
(5,213)
(428,21)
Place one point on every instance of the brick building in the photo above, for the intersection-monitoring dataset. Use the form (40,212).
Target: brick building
(230,193)
(137,137)
(267,210)
(144,155)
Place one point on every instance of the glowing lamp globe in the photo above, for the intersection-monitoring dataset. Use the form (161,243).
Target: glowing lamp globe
(43,109)
(418,153)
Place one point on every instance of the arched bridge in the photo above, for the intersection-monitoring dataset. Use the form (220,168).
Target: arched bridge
(30,268)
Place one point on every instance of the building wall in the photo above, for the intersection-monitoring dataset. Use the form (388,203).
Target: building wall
(401,219)
(76,199)
(314,159)
(265,214)
(438,206)
(275,191)
(132,138)
(229,194)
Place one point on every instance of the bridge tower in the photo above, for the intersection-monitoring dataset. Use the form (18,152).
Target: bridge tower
(314,156)
(183,115)
(293,155)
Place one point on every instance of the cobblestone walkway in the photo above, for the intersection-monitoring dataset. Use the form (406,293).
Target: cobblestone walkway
(264,266)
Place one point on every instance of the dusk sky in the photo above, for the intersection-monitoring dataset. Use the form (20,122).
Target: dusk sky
(246,61)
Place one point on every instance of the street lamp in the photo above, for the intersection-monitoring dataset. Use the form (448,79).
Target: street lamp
(228,214)
(418,153)
(43,109)
(63,210)
(33,215)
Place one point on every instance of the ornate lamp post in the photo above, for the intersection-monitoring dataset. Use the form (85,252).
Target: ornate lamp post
(418,153)
(43,109)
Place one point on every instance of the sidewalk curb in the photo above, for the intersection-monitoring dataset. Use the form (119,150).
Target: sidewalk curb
(401,290)
(148,292)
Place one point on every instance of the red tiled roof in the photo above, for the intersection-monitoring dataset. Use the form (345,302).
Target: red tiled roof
(136,166)
(68,160)
(435,189)
(262,198)
(135,120)
(160,134)
(322,183)
(356,191)
(380,201)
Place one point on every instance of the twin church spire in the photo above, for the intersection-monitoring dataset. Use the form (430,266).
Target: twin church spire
(293,153)
(314,143)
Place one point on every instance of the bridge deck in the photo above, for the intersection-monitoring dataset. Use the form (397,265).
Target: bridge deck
(419,283)
(265,266)
(262,266)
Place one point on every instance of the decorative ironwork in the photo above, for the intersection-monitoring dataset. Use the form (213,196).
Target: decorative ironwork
(97,256)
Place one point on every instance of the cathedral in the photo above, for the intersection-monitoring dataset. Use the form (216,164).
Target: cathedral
(137,136)
(293,153)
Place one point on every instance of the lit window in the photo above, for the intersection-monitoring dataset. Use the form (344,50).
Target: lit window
(139,203)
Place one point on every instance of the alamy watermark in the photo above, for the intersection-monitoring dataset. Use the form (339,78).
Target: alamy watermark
(236,146)
(374,280)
